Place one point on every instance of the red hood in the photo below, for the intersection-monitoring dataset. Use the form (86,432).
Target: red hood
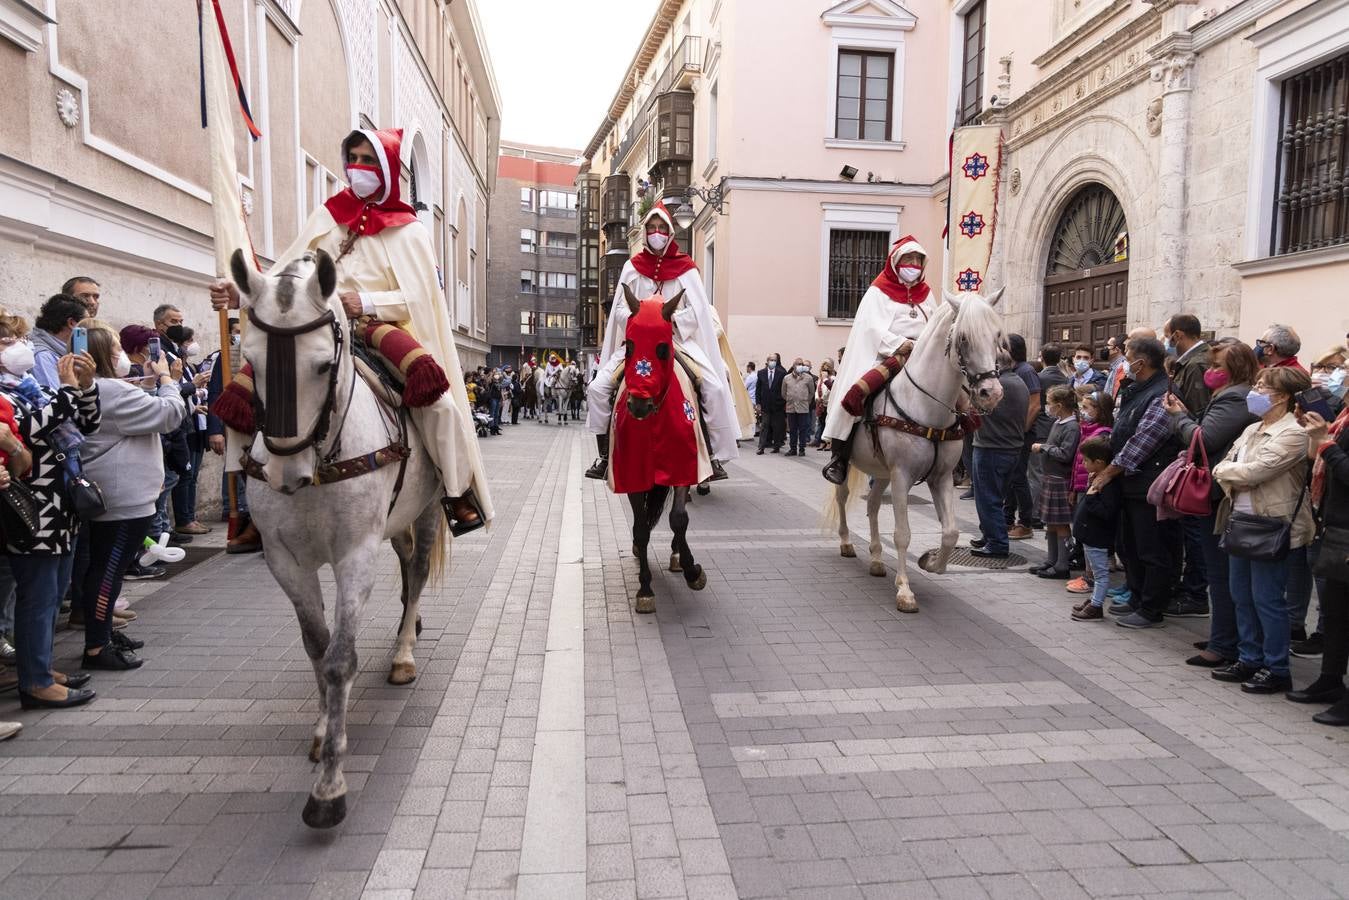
(889,282)
(668,265)
(387,210)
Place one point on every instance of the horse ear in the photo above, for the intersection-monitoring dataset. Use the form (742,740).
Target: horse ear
(633,304)
(246,278)
(997,295)
(327,274)
(668,310)
(953,299)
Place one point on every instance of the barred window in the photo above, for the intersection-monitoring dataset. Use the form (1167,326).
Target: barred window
(1312,203)
(854,259)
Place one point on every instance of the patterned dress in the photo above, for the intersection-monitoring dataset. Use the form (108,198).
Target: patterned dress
(57,521)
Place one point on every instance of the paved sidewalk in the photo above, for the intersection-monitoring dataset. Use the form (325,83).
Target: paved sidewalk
(783,733)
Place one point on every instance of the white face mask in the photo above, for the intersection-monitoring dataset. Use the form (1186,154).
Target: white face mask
(234,340)
(364,183)
(122,366)
(657,241)
(772,364)
(801,370)
(191,351)
(17,359)
(909,274)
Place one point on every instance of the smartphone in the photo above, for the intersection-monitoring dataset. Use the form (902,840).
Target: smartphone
(79,340)
(153,347)
(1315,400)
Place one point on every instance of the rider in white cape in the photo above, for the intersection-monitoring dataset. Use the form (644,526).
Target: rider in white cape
(661,268)
(386,267)
(893,313)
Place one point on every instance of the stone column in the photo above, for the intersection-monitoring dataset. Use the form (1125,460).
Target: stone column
(1172,68)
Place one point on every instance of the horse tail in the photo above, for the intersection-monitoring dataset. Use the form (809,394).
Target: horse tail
(440,552)
(829,517)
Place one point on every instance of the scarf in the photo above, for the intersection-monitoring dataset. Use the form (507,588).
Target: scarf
(384,209)
(26,389)
(674,263)
(1318,489)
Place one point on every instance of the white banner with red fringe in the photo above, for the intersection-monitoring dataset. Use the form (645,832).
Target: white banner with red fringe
(976,162)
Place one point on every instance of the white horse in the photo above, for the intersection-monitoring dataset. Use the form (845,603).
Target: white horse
(955,358)
(345,476)
(561,390)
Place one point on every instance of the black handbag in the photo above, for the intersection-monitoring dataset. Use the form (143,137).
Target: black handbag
(85,497)
(1261,538)
(19,516)
(1333,560)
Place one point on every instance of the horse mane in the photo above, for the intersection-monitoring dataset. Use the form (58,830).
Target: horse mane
(977,320)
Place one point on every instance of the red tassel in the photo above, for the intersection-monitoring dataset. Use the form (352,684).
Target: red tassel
(234,407)
(426,383)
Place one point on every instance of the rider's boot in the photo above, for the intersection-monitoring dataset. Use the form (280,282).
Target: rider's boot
(718,473)
(836,470)
(599,469)
(463,513)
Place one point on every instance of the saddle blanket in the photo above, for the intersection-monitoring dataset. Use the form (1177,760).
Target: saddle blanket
(667,448)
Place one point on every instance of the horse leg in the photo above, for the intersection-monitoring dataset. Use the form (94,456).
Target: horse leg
(905,601)
(355,576)
(641,536)
(694,575)
(845,547)
(306,595)
(874,499)
(944,501)
(414,560)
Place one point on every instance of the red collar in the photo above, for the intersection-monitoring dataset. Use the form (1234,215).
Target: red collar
(674,263)
(368,218)
(898,291)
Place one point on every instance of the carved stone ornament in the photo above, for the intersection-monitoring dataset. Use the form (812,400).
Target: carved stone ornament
(68,107)
(1015,182)
(1173,71)
(1155,117)
(246,198)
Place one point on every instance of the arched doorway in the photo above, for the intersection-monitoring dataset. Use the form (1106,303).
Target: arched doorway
(1087,278)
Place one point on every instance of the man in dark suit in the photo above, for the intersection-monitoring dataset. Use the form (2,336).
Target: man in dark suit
(768,401)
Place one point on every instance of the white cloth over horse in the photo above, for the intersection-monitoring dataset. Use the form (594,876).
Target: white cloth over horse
(879,328)
(395,272)
(695,335)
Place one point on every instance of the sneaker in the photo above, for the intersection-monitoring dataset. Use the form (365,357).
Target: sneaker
(1186,608)
(977,543)
(7,652)
(1020,532)
(1234,673)
(1138,620)
(1078,585)
(1266,682)
(138,572)
(122,641)
(1311,648)
(1089,613)
(1121,609)
(9,729)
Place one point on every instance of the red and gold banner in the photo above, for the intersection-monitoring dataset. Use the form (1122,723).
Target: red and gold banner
(976,162)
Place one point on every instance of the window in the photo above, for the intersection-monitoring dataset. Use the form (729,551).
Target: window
(1311,206)
(972,65)
(555,240)
(526,281)
(854,259)
(559,320)
(527,199)
(528,241)
(712,122)
(863,111)
(710,267)
(556,200)
(526,322)
(558,280)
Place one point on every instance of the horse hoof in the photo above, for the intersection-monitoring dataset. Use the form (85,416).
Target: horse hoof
(877,570)
(403,673)
(847,551)
(316,750)
(646,604)
(324,813)
(674,563)
(700,582)
(906,604)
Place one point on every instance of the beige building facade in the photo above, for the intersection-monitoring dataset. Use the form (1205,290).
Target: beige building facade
(104,164)
(1166,156)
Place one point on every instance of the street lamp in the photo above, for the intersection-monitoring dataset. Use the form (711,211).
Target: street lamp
(715,197)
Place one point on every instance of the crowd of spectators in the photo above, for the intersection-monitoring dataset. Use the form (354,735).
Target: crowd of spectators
(1217,474)
(790,403)
(102,434)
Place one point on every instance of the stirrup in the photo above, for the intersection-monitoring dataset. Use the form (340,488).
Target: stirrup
(599,469)
(718,473)
(458,527)
(836,471)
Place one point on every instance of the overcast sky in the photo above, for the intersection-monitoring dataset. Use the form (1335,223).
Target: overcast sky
(558,63)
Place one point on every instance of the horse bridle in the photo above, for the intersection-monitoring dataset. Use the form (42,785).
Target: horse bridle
(971,379)
(279,412)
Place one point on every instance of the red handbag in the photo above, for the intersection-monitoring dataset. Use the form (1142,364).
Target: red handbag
(1190,490)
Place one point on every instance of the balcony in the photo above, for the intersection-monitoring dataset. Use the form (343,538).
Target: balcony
(555,292)
(685,65)
(566,337)
(557,251)
(615,199)
(557,212)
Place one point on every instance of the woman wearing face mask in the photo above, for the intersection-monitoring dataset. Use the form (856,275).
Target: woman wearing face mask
(1265,474)
(1328,373)
(124,458)
(47,420)
(192,384)
(892,314)
(1231,369)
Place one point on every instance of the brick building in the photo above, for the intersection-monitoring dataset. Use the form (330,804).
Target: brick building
(532,283)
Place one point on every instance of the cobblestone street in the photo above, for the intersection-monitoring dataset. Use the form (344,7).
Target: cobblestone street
(783,733)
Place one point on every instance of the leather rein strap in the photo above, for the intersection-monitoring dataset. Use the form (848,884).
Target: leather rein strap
(953,433)
(279,412)
(329,473)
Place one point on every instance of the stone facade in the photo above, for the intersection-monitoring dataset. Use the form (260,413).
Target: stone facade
(518,319)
